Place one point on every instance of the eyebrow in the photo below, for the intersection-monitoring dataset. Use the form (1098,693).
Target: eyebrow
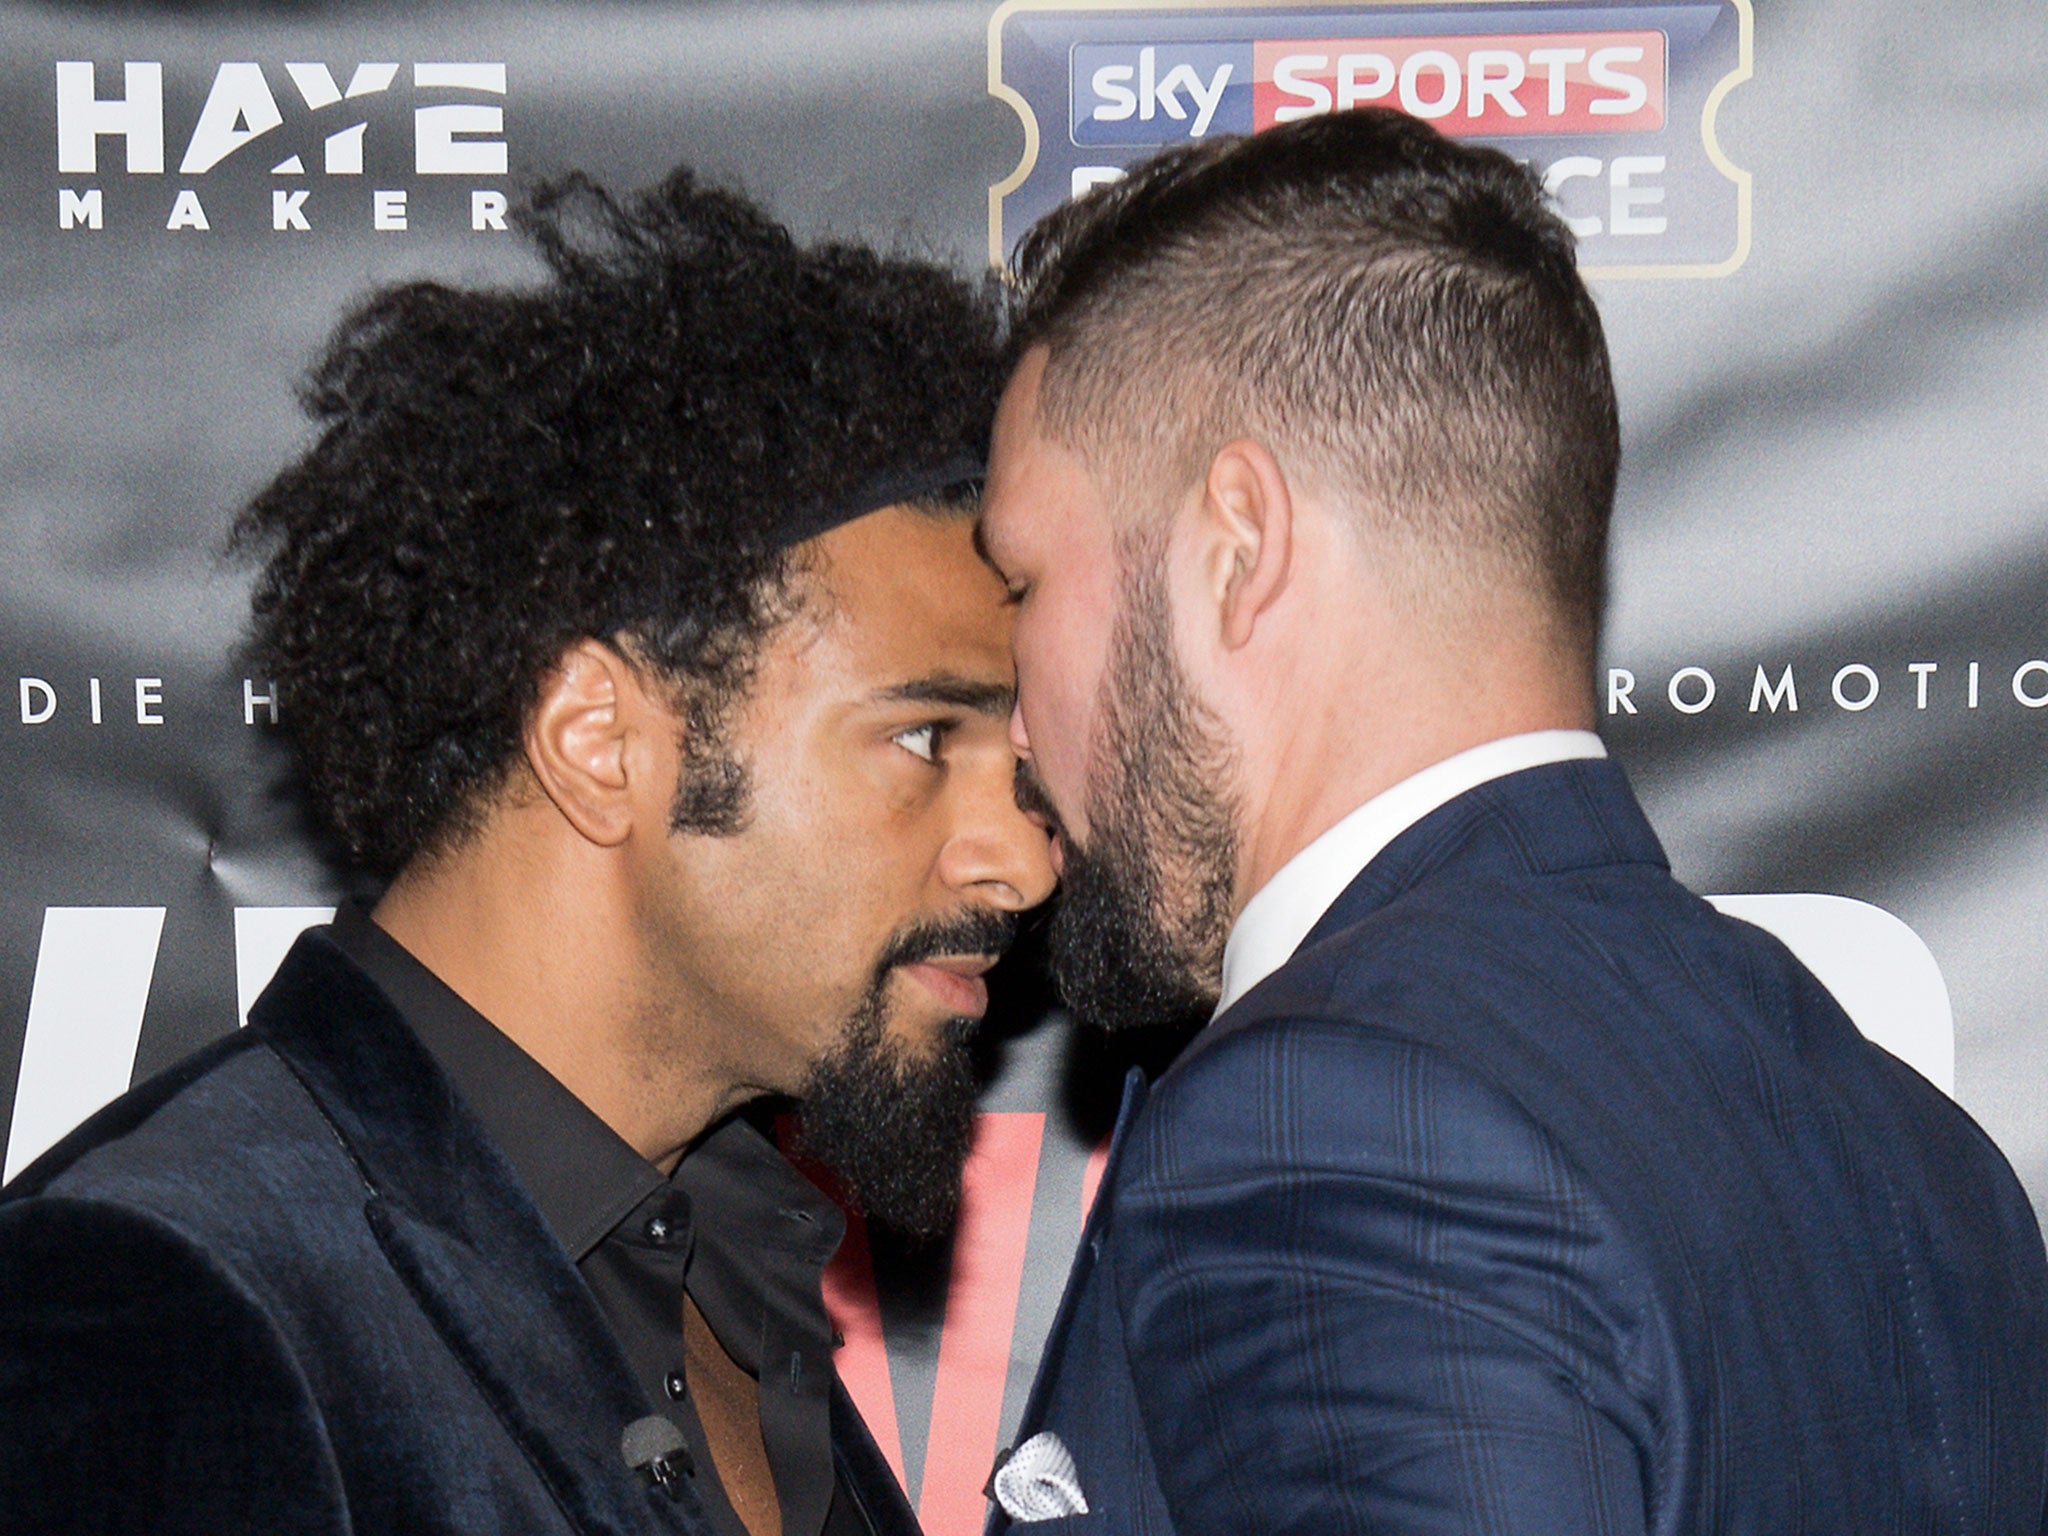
(995,699)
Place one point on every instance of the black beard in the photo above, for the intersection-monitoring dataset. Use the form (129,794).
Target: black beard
(896,1125)
(1145,904)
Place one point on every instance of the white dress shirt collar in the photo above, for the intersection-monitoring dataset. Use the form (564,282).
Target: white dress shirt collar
(1288,906)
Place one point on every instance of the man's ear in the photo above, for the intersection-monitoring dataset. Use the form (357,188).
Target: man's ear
(1248,512)
(586,740)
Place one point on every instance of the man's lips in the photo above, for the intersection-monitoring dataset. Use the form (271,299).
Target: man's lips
(956,981)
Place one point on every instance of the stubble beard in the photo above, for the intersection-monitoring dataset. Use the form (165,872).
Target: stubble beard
(1145,904)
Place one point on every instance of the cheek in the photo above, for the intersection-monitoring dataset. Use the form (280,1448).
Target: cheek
(800,880)
(1060,660)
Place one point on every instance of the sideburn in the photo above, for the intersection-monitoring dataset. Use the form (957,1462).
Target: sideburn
(714,791)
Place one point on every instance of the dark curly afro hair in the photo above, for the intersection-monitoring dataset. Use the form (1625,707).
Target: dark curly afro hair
(621,451)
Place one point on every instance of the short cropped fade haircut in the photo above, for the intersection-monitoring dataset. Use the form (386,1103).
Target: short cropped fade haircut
(617,452)
(1399,313)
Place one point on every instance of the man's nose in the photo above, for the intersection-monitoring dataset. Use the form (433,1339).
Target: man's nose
(997,851)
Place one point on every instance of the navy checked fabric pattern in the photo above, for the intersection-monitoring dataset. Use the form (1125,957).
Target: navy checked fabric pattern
(1533,1195)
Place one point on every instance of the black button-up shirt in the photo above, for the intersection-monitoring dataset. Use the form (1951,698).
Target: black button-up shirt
(735,1226)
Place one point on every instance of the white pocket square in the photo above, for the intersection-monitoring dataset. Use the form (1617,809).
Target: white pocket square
(1038,1482)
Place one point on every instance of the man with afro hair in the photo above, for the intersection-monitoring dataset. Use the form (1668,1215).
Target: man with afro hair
(632,635)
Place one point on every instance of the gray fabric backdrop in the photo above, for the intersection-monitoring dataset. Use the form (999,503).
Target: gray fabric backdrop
(1835,456)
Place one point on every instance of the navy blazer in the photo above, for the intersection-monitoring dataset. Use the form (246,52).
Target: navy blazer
(1534,1195)
(290,1286)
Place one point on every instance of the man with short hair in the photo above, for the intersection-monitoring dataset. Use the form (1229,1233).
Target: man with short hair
(631,627)
(1511,1188)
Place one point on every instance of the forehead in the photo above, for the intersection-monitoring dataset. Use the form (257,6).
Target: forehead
(908,595)
(1041,496)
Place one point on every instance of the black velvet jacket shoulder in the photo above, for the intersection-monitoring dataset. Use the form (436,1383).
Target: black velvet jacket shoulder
(291,1286)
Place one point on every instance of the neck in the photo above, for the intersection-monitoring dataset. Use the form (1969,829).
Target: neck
(1369,736)
(547,953)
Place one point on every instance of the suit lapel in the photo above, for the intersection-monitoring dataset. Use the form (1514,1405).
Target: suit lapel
(469,1243)
(866,1473)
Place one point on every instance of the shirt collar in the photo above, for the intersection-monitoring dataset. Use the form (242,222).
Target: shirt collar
(583,1176)
(762,1236)
(1288,906)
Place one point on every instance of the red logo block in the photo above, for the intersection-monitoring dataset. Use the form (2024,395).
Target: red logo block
(1495,86)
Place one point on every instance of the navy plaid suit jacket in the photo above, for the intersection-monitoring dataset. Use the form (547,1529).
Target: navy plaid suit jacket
(1534,1195)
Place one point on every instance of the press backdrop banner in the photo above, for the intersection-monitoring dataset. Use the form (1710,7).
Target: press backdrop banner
(1815,231)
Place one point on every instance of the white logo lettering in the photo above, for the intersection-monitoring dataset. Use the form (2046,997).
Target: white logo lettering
(447,142)
(1761,692)
(93,974)
(187,212)
(38,701)
(238,108)
(262,935)
(287,209)
(1620,684)
(342,153)
(1855,669)
(1087,178)
(1499,88)
(449,139)
(1625,198)
(1157,94)
(1634,92)
(1573,168)
(1113,81)
(1351,90)
(138,117)
(93,971)
(1554,63)
(1677,697)
(73,209)
(1208,101)
(1445,65)
(1314,95)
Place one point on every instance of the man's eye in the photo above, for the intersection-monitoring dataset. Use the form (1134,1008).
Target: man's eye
(920,740)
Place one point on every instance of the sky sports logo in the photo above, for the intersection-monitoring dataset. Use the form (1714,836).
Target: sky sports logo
(1498,86)
(1614,103)
(317,124)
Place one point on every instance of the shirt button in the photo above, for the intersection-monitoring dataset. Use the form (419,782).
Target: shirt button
(675,1386)
(657,1229)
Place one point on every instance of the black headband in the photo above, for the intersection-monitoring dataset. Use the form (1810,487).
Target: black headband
(953,479)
